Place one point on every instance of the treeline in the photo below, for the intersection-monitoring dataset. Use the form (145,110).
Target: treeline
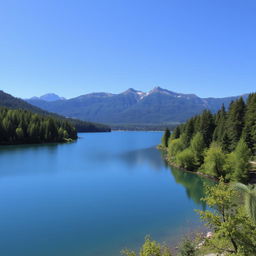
(143,127)
(218,144)
(22,126)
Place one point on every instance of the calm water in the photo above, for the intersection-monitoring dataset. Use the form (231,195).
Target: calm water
(92,197)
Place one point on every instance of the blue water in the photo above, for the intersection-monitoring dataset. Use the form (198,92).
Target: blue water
(93,197)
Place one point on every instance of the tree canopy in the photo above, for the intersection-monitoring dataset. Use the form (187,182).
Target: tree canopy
(218,144)
(21,126)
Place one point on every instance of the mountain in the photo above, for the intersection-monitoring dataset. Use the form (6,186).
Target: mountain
(158,106)
(7,100)
(48,97)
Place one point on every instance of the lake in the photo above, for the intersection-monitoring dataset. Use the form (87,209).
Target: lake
(93,197)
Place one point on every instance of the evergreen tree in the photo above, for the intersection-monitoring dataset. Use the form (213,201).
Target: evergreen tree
(20,126)
(240,162)
(220,122)
(235,122)
(176,133)
(249,132)
(188,132)
(165,138)
(197,147)
(206,126)
(249,193)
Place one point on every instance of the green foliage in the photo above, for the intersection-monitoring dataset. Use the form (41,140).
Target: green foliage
(221,143)
(165,138)
(239,162)
(206,126)
(187,248)
(235,122)
(214,161)
(249,132)
(176,133)
(197,146)
(185,159)
(220,121)
(249,197)
(20,126)
(175,146)
(234,232)
(149,248)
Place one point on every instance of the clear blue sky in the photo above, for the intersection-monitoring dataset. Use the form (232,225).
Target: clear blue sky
(206,47)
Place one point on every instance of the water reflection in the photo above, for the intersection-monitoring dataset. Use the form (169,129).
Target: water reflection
(194,184)
(150,156)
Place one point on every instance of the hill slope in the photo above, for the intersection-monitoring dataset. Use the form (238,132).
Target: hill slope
(7,100)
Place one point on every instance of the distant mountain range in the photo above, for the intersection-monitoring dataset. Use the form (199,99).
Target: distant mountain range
(158,106)
(7,100)
(48,97)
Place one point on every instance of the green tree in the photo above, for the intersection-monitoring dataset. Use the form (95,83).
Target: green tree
(249,132)
(187,248)
(186,159)
(206,126)
(149,248)
(165,138)
(188,132)
(214,161)
(175,146)
(235,122)
(239,164)
(249,194)
(197,146)
(233,231)
(176,133)
(220,122)
(20,133)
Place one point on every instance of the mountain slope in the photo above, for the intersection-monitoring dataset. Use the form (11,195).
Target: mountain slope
(7,100)
(49,97)
(133,107)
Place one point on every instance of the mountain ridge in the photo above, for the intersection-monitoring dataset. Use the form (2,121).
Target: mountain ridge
(157,106)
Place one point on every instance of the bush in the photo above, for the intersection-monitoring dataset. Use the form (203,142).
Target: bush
(185,159)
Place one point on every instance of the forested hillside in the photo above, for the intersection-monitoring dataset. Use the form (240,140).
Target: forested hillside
(7,100)
(21,126)
(220,144)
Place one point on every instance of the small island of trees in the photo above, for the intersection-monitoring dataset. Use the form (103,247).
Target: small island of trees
(23,127)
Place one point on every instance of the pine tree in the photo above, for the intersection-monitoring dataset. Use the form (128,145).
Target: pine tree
(249,132)
(206,126)
(235,122)
(220,121)
(240,162)
(198,146)
(165,138)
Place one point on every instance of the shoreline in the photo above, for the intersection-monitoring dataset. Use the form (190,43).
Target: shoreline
(252,178)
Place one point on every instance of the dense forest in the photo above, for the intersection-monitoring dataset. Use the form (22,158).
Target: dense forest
(220,144)
(21,126)
(7,100)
